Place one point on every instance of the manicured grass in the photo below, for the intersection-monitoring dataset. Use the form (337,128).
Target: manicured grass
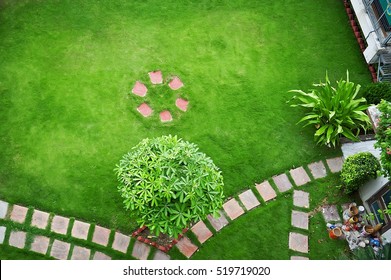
(67,68)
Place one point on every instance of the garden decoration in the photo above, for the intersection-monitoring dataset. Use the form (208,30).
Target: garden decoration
(168,184)
(156,78)
(335,111)
(355,229)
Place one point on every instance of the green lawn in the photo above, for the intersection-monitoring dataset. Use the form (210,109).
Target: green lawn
(67,68)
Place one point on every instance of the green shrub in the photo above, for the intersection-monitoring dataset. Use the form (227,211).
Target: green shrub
(335,111)
(357,170)
(374,93)
(383,137)
(167,184)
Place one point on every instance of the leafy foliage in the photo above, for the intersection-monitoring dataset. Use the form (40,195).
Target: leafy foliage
(334,111)
(368,253)
(375,92)
(167,184)
(358,169)
(383,137)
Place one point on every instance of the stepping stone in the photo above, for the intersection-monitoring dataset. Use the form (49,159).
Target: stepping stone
(318,170)
(218,223)
(121,242)
(298,242)
(301,199)
(3,209)
(300,219)
(40,219)
(80,253)
(186,247)
(299,176)
(60,250)
(99,256)
(2,234)
(201,231)
(182,104)
(144,110)
(161,256)
(175,83)
(80,230)
(330,213)
(266,191)
(282,182)
(335,164)
(140,89)
(60,224)
(40,244)
(140,250)
(156,77)
(233,209)
(165,116)
(18,214)
(101,235)
(248,199)
(17,239)
(298,258)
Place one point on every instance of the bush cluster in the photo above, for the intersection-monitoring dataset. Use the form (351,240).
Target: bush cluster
(357,170)
(374,93)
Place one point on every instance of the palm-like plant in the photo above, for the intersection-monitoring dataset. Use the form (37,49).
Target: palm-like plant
(335,111)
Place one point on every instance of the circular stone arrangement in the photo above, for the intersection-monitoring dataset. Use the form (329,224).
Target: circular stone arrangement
(156,78)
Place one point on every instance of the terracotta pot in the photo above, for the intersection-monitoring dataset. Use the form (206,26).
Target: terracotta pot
(353,210)
(335,233)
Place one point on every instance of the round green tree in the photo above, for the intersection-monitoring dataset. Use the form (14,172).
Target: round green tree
(167,184)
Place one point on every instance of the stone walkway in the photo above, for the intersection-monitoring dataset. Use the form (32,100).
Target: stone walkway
(106,241)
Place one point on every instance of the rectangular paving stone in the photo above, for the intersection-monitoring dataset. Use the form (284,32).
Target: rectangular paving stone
(17,239)
(335,164)
(300,219)
(140,250)
(40,244)
(186,247)
(330,213)
(3,209)
(299,258)
(2,234)
(282,182)
(101,235)
(266,191)
(298,242)
(248,199)
(233,209)
(318,170)
(201,231)
(80,230)
(301,199)
(218,223)
(60,250)
(60,224)
(99,256)
(159,255)
(299,176)
(40,219)
(80,253)
(121,242)
(18,214)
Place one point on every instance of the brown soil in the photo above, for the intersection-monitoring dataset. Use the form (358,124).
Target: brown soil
(162,239)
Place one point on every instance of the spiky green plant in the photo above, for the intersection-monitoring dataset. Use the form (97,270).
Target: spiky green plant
(334,111)
(167,183)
